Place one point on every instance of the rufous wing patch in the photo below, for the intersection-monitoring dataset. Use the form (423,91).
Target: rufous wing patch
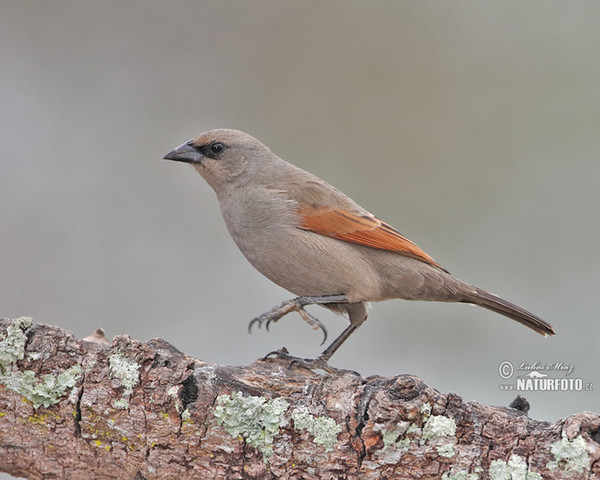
(360,229)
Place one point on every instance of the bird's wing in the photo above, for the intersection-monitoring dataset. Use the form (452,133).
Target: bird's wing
(362,229)
(325,210)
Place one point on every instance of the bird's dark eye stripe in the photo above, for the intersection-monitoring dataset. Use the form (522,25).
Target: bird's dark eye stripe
(198,148)
(210,149)
(216,147)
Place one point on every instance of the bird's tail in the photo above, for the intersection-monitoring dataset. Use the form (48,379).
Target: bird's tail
(510,310)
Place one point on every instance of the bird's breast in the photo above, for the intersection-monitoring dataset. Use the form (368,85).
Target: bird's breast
(267,232)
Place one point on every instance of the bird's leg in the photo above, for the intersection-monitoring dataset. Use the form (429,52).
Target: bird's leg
(297,305)
(322,361)
(337,343)
(310,364)
(357,313)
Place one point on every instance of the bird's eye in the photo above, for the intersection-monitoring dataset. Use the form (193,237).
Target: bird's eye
(216,147)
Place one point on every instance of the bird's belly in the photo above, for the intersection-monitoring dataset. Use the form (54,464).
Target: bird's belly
(306,263)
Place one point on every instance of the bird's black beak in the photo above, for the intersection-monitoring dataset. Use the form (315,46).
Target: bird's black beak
(185,153)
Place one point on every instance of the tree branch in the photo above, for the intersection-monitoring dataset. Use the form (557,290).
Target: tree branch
(73,409)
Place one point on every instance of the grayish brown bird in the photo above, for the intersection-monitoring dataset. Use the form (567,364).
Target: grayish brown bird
(316,242)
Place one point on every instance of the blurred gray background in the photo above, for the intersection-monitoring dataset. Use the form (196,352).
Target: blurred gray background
(472,127)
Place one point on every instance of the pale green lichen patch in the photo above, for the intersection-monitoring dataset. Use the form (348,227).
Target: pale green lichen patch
(445,450)
(34,356)
(323,429)
(391,454)
(390,436)
(186,415)
(570,455)
(514,469)
(125,370)
(255,419)
(12,343)
(437,432)
(120,404)
(173,392)
(426,410)
(439,426)
(413,429)
(44,391)
(393,446)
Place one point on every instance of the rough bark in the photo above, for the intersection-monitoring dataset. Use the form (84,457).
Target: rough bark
(74,409)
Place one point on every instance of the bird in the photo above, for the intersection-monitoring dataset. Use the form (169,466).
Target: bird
(316,242)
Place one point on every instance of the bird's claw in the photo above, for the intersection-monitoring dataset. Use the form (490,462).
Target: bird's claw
(314,322)
(282,354)
(264,318)
(258,320)
(309,364)
(294,305)
(273,315)
(312,364)
(318,363)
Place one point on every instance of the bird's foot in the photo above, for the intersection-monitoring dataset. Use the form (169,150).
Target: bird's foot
(314,322)
(295,305)
(313,364)
(281,354)
(284,354)
(318,363)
